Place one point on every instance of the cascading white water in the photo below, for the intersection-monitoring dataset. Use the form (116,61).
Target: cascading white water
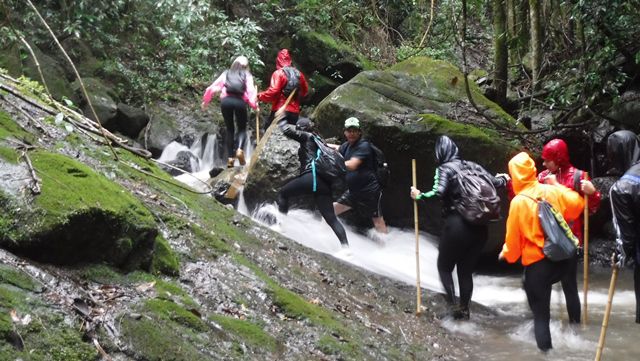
(501,337)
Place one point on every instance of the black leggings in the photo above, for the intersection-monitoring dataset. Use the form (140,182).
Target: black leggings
(460,246)
(291,118)
(230,106)
(570,289)
(302,185)
(538,279)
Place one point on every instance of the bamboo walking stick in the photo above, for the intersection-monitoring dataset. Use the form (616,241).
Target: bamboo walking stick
(257,121)
(415,222)
(585,261)
(607,311)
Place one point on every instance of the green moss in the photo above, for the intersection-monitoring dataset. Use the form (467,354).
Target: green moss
(330,345)
(6,325)
(440,125)
(449,80)
(163,259)
(156,342)
(9,128)
(102,273)
(19,279)
(172,292)
(10,298)
(68,185)
(250,333)
(8,154)
(168,310)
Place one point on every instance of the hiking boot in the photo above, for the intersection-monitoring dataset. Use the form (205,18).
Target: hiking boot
(230,162)
(461,313)
(240,156)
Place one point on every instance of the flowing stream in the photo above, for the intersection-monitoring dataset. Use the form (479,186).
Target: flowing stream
(503,336)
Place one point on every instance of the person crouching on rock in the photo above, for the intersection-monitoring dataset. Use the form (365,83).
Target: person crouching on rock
(305,183)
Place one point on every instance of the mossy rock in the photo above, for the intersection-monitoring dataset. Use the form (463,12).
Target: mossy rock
(103,99)
(48,336)
(79,216)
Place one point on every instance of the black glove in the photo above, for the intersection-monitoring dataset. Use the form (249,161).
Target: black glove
(619,256)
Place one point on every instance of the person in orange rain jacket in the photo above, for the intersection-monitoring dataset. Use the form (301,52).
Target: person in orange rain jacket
(524,238)
(279,90)
(555,155)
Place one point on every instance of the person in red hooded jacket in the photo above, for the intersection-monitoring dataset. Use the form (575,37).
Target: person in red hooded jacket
(275,93)
(555,156)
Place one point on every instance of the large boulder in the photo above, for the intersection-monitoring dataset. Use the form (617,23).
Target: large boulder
(102,98)
(130,120)
(79,216)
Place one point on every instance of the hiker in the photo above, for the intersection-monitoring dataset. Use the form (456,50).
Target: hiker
(555,156)
(363,190)
(461,241)
(525,239)
(304,183)
(236,91)
(623,149)
(278,92)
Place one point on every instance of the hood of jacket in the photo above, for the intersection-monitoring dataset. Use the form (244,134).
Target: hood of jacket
(446,150)
(283,59)
(623,150)
(556,150)
(522,170)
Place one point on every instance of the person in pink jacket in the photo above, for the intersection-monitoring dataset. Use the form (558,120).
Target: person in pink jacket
(237,90)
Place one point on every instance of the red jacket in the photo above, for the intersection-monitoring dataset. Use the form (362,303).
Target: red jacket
(556,151)
(278,81)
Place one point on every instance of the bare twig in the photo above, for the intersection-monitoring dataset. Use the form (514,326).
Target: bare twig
(424,37)
(101,350)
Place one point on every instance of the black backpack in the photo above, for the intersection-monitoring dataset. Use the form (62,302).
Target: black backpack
(328,165)
(381,170)
(235,82)
(478,201)
(293,80)
(559,241)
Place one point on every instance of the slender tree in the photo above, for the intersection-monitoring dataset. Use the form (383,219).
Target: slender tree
(535,32)
(501,53)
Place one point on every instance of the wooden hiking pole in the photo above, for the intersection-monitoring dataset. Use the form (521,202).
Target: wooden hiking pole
(585,261)
(257,121)
(415,222)
(607,311)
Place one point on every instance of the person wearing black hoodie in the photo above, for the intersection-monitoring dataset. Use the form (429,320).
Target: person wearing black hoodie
(623,150)
(305,183)
(460,242)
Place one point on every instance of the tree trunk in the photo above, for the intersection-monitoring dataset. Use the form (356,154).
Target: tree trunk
(536,42)
(501,53)
(511,18)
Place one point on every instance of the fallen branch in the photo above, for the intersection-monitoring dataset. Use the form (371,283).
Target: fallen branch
(35,187)
(101,350)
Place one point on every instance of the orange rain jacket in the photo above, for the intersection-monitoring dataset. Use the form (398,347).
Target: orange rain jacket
(524,238)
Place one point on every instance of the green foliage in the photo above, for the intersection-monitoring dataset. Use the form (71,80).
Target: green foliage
(157,48)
